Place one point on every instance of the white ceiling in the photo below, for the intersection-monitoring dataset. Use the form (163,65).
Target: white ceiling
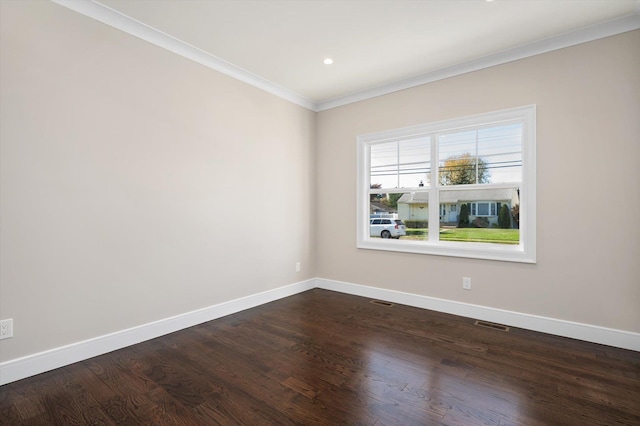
(378,46)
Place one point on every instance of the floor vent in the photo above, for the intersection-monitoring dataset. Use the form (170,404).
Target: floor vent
(382,303)
(492,325)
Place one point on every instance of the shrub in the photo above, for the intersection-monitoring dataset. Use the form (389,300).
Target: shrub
(463,218)
(480,222)
(504,219)
(416,223)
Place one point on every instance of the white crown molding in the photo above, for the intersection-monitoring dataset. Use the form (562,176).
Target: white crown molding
(115,19)
(574,330)
(94,9)
(584,35)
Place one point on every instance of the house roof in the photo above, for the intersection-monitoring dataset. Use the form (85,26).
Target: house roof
(450,197)
(374,206)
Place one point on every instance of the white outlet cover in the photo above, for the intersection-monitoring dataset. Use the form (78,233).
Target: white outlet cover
(6,328)
(466,283)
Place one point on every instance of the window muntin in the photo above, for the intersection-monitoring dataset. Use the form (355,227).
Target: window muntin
(501,147)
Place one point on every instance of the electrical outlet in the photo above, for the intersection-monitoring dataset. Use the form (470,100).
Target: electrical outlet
(6,328)
(298,267)
(466,283)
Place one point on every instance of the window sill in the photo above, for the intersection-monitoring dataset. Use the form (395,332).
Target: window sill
(500,252)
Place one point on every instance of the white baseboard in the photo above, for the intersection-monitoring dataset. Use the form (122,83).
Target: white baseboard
(574,330)
(30,365)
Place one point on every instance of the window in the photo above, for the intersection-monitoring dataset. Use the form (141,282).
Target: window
(486,208)
(478,172)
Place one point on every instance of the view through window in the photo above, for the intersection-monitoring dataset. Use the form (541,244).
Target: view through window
(459,187)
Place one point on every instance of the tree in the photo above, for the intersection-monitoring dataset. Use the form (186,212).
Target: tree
(461,169)
(515,213)
(392,200)
(504,217)
(375,197)
(463,218)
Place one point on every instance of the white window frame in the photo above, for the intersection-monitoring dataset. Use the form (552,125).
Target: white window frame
(524,252)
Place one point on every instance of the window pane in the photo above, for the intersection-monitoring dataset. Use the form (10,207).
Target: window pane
(458,160)
(485,155)
(385,217)
(384,165)
(402,164)
(478,220)
(413,210)
(414,163)
(501,150)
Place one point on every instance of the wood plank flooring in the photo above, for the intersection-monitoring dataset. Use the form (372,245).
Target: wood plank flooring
(326,358)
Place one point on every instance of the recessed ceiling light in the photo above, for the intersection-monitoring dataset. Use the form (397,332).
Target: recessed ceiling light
(327,61)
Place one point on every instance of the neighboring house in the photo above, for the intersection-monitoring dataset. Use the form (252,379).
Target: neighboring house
(377,208)
(482,203)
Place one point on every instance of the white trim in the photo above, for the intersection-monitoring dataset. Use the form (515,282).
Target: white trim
(584,35)
(30,365)
(115,19)
(524,252)
(94,9)
(590,333)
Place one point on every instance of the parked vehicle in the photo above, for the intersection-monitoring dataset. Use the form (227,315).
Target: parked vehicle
(387,228)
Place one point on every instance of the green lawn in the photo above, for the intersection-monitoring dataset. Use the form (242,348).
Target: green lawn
(478,235)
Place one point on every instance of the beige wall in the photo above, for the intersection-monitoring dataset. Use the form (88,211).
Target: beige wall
(136,184)
(588,148)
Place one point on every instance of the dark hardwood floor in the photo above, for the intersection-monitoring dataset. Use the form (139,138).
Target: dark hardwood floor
(328,358)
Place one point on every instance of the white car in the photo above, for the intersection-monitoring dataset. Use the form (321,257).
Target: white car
(387,228)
